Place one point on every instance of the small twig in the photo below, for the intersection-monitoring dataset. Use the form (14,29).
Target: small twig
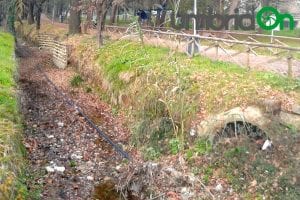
(123,195)
(163,194)
(206,189)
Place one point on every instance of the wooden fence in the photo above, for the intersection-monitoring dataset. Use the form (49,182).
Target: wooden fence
(250,46)
(60,51)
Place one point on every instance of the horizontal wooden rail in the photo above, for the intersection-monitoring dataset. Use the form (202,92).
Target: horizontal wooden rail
(276,49)
(222,32)
(259,44)
(60,52)
(250,34)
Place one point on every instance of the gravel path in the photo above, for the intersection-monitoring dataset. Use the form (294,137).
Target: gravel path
(67,156)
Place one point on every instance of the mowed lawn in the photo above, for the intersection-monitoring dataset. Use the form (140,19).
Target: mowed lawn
(11,150)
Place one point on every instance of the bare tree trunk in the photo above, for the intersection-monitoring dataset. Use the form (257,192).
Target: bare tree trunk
(173,19)
(102,7)
(265,2)
(157,21)
(74,20)
(38,16)
(113,14)
(60,10)
(125,15)
(88,22)
(101,25)
(30,17)
(25,15)
(233,6)
(149,20)
(162,18)
(67,13)
(161,14)
(48,8)
(118,17)
(4,22)
(53,13)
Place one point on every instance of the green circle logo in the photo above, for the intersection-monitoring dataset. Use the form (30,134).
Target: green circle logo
(265,15)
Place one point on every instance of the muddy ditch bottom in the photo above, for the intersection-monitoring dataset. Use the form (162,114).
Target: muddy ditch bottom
(68,159)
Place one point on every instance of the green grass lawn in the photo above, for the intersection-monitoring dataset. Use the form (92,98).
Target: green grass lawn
(286,33)
(11,149)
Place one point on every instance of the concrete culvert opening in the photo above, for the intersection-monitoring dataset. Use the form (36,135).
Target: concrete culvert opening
(240,128)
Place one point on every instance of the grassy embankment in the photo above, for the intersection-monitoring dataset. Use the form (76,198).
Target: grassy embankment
(11,149)
(166,88)
(163,91)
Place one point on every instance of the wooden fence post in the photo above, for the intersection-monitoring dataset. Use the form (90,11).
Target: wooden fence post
(217,50)
(248,57)
(290,65)
(216,43)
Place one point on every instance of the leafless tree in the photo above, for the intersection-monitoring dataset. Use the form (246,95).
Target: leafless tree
(75,17)
(102,7)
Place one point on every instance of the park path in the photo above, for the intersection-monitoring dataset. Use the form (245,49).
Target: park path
(68,159)
(257,62)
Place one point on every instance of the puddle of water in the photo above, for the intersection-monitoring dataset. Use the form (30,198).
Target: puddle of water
(106,191)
